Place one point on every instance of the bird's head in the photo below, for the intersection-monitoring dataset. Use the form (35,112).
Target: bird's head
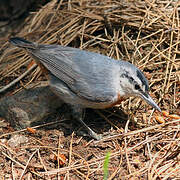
(134,83)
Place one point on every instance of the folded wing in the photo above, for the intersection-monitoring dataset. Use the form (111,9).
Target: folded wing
(87,74)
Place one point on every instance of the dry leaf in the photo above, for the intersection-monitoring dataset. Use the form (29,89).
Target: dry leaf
(31,130)
(61,158)
(165,113)
(160,119)
(174,116)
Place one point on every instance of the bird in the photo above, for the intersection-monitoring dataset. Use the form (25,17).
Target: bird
(86,79)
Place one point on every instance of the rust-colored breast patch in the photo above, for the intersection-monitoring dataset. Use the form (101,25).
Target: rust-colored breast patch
(119,100)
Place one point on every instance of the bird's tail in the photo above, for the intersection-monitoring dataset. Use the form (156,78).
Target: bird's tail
(20,42)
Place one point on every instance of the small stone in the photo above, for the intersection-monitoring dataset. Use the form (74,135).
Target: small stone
(17,140)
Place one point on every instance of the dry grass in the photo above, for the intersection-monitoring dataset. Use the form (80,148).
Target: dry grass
(146,33)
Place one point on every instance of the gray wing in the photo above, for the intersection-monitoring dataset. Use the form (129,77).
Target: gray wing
(56,60)
(89,75)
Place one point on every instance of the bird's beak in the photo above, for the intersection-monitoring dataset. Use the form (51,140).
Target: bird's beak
(150,101)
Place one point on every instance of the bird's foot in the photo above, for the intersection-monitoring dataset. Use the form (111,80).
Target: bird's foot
(90,134)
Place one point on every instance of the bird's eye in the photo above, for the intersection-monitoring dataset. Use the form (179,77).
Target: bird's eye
(137,86)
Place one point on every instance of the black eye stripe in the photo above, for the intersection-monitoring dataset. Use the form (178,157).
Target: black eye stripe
(144,81)
(131,80)
(142,78)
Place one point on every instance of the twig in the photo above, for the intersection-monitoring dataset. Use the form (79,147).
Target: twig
(27,164)
(18,79)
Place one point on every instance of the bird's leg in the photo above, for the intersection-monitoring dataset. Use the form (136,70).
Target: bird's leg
(78,114)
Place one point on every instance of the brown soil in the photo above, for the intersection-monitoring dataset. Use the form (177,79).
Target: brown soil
(145,33)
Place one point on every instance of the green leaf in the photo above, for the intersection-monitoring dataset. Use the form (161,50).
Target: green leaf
(105,167)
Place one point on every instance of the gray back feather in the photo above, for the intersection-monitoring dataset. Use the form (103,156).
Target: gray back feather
(87,74)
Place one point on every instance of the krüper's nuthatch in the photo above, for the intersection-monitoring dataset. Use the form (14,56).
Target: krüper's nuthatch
(87,80)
